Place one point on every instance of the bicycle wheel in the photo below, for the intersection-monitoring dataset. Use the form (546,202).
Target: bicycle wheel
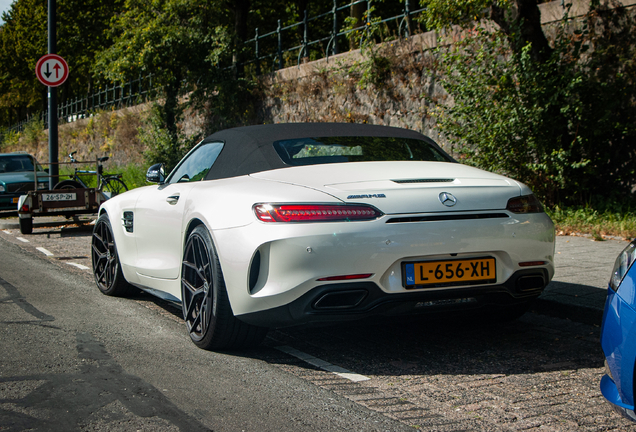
(68,184)
(113,186)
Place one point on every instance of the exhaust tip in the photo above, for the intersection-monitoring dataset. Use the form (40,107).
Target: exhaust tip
(530,283)
(337,300)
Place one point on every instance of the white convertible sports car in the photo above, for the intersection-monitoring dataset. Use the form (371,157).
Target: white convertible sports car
(277,225)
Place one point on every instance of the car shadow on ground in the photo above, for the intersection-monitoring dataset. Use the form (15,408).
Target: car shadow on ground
(421,347)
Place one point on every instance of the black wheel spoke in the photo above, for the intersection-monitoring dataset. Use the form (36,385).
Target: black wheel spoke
(195,287)
(104,256)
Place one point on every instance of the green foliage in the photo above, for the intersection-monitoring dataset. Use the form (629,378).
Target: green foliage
(160,145)
(33,132)
(174,40)
(608,218)
(27,139)
(9,139)
(133,175)
(23,40)
(443,13)
(375,68)
(565,127)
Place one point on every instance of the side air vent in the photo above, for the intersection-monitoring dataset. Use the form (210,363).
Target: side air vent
(255,268)
(448,217)
(434,180)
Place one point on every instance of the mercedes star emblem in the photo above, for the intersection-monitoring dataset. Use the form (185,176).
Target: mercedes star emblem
(447,199)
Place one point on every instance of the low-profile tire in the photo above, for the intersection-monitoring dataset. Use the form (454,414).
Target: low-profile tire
(68,184)
(208,315)
(26,225)
(106,267)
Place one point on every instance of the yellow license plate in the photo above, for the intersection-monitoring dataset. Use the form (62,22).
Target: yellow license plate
(15,200)
(452,272)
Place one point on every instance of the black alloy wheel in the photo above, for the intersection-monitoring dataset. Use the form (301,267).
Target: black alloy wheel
(106,268)
(196,284)
(206,307)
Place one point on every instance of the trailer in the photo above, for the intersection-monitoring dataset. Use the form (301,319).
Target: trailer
(58,202)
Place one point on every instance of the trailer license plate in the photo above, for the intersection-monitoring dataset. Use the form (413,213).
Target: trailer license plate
(66,196)
(447,273)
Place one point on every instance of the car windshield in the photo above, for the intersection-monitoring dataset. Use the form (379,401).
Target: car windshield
(311,151)
(17,163)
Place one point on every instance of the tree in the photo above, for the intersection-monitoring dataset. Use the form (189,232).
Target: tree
(179,42)
(81,32)
(520,20)
(565,124)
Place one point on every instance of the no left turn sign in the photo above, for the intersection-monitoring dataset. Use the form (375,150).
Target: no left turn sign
(51,70)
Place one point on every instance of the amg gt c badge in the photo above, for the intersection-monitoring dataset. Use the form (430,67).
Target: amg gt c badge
(447,199)
(366,196)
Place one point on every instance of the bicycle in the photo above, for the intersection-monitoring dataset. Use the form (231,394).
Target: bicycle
(109,184)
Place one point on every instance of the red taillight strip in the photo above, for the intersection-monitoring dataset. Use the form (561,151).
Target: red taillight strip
(346,277)
(532,263)
(315,212)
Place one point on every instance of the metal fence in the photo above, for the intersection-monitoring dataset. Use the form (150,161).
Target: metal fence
(110,96)
(291,45)
(312,38)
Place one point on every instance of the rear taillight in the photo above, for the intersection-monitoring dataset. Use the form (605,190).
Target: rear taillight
(524,204)
(315,212)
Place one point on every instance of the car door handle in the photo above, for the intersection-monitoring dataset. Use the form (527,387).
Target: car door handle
(172,199)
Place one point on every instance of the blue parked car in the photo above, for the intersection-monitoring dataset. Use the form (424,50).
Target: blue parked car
(618,335)
(17,178)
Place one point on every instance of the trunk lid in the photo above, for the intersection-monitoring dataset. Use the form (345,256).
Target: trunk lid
(404,187)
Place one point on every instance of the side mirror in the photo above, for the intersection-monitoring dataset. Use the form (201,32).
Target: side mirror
(156,174)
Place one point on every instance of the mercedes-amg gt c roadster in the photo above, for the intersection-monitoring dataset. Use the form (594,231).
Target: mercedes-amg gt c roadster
(276,225)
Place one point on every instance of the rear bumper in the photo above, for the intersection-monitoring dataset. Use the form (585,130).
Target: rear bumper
(9,201)
(357,300)
(270,266)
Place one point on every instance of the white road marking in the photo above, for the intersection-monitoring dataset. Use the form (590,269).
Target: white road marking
(22,239)
(44,251)
(79,266)
(326,366)
(6,231)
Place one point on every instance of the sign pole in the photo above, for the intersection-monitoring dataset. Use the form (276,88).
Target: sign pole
(52,93)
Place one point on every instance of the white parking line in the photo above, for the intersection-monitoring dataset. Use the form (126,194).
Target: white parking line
(22,239)
(6,231)
(44,251)
(79,266)
(326,366)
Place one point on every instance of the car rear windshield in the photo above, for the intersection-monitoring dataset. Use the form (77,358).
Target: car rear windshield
(16,164)
(311,151)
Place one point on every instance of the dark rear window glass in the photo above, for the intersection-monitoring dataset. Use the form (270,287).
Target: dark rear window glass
(312,151)
(17,163)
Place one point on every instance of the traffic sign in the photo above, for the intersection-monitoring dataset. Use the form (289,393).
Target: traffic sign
(51,70)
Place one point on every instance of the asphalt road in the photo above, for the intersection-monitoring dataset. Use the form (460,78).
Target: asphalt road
(73,359)
(77,360)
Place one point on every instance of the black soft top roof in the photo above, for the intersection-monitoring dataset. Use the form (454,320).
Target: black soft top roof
(249,149)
